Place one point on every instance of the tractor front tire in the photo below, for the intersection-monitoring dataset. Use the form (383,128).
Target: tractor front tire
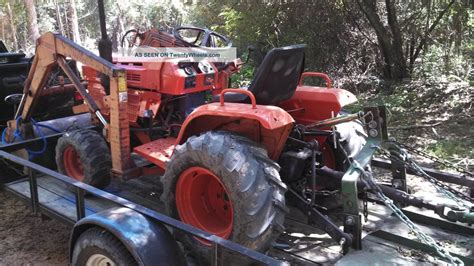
(99,247)
(227,185)
(84,155)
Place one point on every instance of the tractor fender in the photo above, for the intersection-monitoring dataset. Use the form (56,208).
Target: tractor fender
(147,241)
(310,104)
(267,125)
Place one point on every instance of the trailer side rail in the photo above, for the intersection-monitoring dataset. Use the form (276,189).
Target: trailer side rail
(219,245)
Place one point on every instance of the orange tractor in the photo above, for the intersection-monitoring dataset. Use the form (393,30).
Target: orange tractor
(226,157)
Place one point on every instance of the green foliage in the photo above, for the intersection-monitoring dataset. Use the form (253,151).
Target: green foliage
(451,47)
(244,77)
(433,114)
(272,23)
(47,14)
(450,148)
(340,40)
(438,61)
(398,103)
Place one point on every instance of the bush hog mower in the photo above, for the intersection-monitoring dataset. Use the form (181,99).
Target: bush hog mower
(231,162)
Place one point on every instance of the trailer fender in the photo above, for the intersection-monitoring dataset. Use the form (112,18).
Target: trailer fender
(267,125)
(147,241)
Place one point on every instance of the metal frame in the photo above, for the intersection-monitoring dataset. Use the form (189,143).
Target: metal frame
(220,245)
(51,51)
(377,130)
(415,244)
(441,176)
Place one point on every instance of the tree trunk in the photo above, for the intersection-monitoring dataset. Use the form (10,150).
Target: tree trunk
(3,29)
(458,29)
(74,24)
(67,24)
(117,29)
(397,42)
(32,20)
(12,26)
(59,18)
(390,41)
(412,52)
(24,43)
(115,35)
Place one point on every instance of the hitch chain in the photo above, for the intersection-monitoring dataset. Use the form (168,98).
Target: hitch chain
(365,200)
(426,239)
(461,170)
(459,198)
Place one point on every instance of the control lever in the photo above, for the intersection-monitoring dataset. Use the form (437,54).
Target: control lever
(250,49)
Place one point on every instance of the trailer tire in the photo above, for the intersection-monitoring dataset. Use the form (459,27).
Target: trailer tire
(249,179)
(85,156)
(97,245)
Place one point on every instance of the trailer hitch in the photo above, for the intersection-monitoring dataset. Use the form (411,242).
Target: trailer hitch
(445,211)
(462,216)
(448,212)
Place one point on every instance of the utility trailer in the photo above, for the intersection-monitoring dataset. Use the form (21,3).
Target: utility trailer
(144,231)
(128,211)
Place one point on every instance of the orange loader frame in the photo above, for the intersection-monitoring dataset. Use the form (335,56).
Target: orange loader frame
(269,125)
(52,50)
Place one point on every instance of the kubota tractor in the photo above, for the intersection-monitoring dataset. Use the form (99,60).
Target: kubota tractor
(228,156)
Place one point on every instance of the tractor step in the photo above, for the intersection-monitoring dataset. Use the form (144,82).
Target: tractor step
(158,151)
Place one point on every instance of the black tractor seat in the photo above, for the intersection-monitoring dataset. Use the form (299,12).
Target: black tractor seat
(276,78)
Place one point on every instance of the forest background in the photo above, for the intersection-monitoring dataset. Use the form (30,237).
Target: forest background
(416,57)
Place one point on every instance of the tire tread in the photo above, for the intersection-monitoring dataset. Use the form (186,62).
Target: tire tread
(262,223)
(94,153)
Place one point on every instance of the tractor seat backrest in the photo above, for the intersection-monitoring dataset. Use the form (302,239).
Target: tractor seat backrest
(277,76)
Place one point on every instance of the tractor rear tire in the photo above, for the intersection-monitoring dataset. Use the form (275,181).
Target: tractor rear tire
(99,247)
(248,185)
(352,137)
(85,156)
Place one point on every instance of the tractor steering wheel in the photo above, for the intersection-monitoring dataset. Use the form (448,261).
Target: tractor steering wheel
(201,37)
(133,38)
(13,99)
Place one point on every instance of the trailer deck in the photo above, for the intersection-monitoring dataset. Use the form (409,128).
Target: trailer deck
(385,238)
(58,196)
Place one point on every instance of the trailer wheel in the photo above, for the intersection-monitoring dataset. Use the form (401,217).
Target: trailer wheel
(226,185)
(97,247)
(84,156)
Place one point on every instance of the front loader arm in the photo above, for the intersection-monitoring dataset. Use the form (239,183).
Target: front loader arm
(52,50)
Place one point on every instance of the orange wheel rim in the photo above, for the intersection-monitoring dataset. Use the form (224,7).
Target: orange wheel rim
(72,164)
(203,202)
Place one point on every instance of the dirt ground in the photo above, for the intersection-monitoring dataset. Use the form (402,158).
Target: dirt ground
(26,239)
